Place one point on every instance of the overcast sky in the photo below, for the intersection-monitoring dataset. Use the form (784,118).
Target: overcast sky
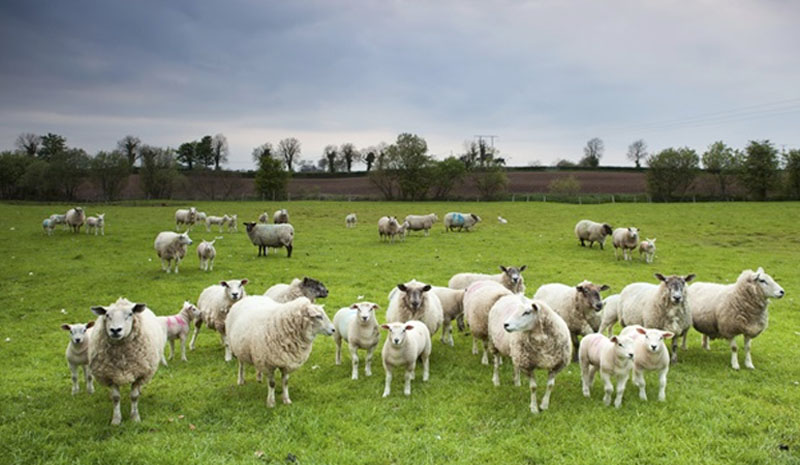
(543,76)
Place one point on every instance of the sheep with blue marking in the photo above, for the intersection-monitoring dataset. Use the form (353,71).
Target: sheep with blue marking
(462,221)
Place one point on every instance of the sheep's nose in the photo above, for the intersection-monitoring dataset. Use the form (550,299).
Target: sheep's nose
(654,347)
(630,355)
(598,307)
(506,326)
(116,332)
(781,293)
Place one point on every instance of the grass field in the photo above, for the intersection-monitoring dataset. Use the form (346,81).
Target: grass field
(194,412)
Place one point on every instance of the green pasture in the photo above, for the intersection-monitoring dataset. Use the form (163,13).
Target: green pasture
(195,413)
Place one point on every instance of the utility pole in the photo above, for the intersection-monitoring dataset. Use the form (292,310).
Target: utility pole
(491,138)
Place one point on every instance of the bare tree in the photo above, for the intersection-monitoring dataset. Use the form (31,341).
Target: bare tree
(592,153)
(219,150)
(349,155)
(28,143)
(289,149)
(330,154)
(129,146)
(263,150)
(637,152)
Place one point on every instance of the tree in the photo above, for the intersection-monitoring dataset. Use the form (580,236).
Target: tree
(446,175)
(592,153)
(491,181)
(187,154)
(110,170)
(52,145)
(205,152)
(409,156)
(637,152)
(289,149)
(759,170)
(349,155)
(219,150)
(792,170)
(671,172)
(261,151)
(68,169)
(370,159)
(329,153)
(28,143)
(129,146)
(565,164)
(36,182)
(12,169)
(720,161)
(271,178)
(159,173)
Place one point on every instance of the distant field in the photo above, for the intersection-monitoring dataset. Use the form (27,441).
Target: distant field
(194,412)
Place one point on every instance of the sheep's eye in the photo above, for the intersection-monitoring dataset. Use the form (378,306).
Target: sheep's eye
(763,281)
(526,312)
(319,317)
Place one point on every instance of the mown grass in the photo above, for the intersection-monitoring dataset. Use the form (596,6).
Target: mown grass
(195,412)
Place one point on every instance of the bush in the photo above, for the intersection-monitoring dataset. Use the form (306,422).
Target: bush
(564,185)
(671,173)
(759,169)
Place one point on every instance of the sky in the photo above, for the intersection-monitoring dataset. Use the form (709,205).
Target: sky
(542,76)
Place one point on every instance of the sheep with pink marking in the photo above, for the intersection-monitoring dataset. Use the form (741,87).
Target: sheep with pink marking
(177,327)
(611,357)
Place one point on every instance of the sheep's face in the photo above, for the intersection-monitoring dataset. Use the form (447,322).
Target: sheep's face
(633,234)
(234,289)
(393,222)
(590,294)
(365,311)
(514,274)
(192,211)
(101,217)
(320,323)
(524,317)
(623,347)
(607,229)
(654,338)
(118,317)
(78,333)
(767,285)
(475,217)
(184,239)
(397,332)
(233,218)
(249,226)
(413,294)
(676,286)
(191,310)
(314,289)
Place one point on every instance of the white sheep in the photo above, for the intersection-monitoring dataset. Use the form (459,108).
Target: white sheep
(214,303)
(452,301)
(579,306)
(233,225)
(405,344)
(75,218)
(611,306)
(200,217)
(510,277)
(78,354)
(206,253)
(421,222)
(270,235)
(48,225)
(414,301)
(263,218)
(626,239)
(587,230)
(177,327)
(726,311)
(402,231)
(357,326)
(388,227)
(306,287)
(96,224)
(171,246)
(59,219)
(502,220)
(271,335)
(499,338)
(460,220)
(478,301)
(125,347)
(280,216)
(220,221)
(612,357)
(659,306)
(186,217)
(351,220)
(649,354)
(647,248)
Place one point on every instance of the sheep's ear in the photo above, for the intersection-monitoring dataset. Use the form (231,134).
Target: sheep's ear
(426,288)
(653,240)
(660,277)
(66,327)
(535,307)
(690,277)
(409,327)
(306,280)
(245,281)
(385,327)
(375,306)
(89,324)
(604,287)
(641,331)
(523,268)
(580,288)
(474,216)
(402,287)
(139,308)
(614,339)
(503,269)
(99,310)
(759,272)
(354,306)
(666,335)
(223,284)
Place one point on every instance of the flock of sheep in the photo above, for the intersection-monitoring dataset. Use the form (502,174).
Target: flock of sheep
(560,324)
(74,219)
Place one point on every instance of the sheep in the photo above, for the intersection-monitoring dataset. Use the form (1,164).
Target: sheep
(271,235)
(649,354)
(233,225)
(59,219)
(125,347)
(351,220)
(306,287)
(405,344)
(214,303)
(659,306)
(452,301)
(78,354)
(579,306)
(626,239)
(48,225)
(413,301)
(280,216)
(263,218)
(539,339)
(271,335)
(206,253)
(217,220)
(358,327)
(587,230)
(478,301)
(510,277)
(610,313)
(499,338)
(647,248)
(75,218)
(177,327)
(171,246)
(97,223)
(611,356)
(502,220)
(421,222)
(387,227)
(725,311)
(200,217)
(402,231)
(460,221)
(185,217)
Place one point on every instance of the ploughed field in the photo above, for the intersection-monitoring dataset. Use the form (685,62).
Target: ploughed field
(194,411)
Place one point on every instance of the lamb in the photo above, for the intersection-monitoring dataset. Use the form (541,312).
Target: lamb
(171,246)
(200,217)
(358,327)
(725,311)
(48,225)
(539,339)
(263,218)
(502,220)
(214,303)
(478,301)
(272,336)
(177,327)
(217,220)
(648,249)
(413,301)
(233,225)
(579,306)
(59,219)
(306,287)
(405,344)
(510,277)
(402,231)
(350,220)
(421,222)
(271,235)
(659,306)
(206,253)
(626,239)
(280,216)
(460,221)
(185,217)
(78,354)
(388,227)
(97,223)
(452,301)
(587,230)
(75,218)
(611,356)
(649,354)
(611,305)
(125,347)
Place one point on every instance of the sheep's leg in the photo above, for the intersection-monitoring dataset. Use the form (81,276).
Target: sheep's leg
(426,367)
(551,381)
(575,347)
(210,265)
(662,384)
(259,376)
(447,334)
(116,417)
(409,376)
(388,383)
(177,262)
(748,361)
(622,380)
(684,345)
(164,265)
(705,343)
(674,358)
(136,390)
(587,376)
(197,325)
(338,341)
(368,363)
(240,377)
(183,346)
(485,356)
(582,244)
(171,349)
(734,354)
(354,361)
(75,386)
(517,382)
(638,380)
(271,388)
(460,322)
(285,386)
(228,353)
(608,387)
(532,385)
(474,346)
(87,373)
(496,371)
(615,253)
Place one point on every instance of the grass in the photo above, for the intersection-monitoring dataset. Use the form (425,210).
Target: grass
(194,411)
